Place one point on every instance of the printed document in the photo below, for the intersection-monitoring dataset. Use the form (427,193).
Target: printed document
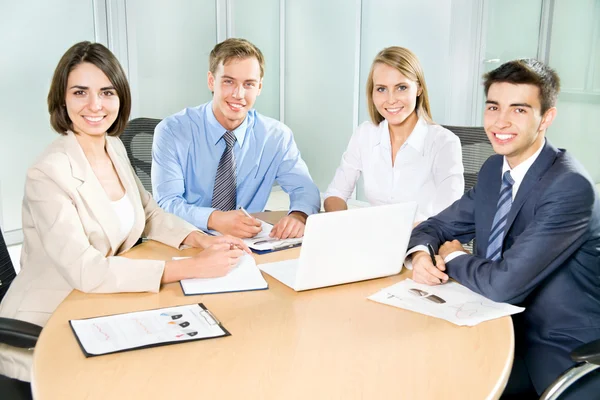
(136,330)
(450,301)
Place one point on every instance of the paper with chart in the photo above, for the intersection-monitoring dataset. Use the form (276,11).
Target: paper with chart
(114,333)
(244,276)
(450,301)
(262,241)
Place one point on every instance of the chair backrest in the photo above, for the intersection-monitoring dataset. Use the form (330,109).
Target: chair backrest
(7,270)
(137,139)
(476,148)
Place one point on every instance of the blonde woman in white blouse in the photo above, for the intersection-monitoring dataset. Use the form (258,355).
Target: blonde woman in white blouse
(401,153)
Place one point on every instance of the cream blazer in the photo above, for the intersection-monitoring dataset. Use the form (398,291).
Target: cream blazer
(70,232)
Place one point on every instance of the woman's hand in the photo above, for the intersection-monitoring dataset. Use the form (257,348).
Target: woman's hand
(198,239)
(216,260)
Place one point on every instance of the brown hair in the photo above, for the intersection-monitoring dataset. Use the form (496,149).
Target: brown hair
(527,71)
(234,48)
(407,63)
(101,57)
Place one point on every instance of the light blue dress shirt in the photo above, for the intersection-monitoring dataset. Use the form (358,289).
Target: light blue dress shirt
(186,151)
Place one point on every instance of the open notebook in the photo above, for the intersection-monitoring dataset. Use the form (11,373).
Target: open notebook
(243,277)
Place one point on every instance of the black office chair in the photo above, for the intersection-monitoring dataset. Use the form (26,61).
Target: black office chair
(137,139)
(12,331)
(587,358)
(476,148)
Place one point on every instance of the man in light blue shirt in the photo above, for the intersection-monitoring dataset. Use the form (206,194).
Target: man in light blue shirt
(192,155)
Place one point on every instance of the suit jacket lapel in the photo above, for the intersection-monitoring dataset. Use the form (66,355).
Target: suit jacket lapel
(92,192)
(532,177)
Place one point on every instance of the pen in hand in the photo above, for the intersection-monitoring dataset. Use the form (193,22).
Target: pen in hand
(245,212)
(431,254)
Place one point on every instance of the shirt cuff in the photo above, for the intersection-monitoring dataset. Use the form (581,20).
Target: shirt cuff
(408,258)
(201,217)
(453,255)
(335,193)
(306,209)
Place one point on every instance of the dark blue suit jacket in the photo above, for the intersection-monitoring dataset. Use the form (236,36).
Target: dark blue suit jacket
(550,261)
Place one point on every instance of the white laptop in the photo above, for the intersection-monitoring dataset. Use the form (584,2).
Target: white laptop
(348,246)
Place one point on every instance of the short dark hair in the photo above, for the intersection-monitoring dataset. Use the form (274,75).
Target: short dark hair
(527,71)
(235,48)
(101,57)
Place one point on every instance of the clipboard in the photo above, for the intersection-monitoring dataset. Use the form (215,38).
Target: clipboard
(118,333)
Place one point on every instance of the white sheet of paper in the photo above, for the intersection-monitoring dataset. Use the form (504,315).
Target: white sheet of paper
(244,276)
(113,333)
(284,271)
(461,306)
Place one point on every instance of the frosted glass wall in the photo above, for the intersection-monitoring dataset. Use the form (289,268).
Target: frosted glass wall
(424,28)
(575,54)
(319,80)
(31,44)
(168,45)
(521,40)
(265,35)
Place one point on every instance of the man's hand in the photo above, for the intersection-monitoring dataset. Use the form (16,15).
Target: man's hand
(290,226)
(425,272)
(449,247)
(234,223)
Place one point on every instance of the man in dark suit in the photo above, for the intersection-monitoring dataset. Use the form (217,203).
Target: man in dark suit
(535,215)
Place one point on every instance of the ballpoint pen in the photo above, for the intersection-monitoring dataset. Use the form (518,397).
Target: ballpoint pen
(245,212)
(431,254)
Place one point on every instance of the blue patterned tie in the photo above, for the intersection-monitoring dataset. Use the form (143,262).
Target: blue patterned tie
(224,193)
(494,250)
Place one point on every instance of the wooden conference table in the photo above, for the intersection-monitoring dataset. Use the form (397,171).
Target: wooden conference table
(329,343)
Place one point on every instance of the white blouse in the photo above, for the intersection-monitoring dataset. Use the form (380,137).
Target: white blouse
(125,215)
(428,168)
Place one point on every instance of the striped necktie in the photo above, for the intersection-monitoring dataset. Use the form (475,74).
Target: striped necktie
(494,250)
(224,193)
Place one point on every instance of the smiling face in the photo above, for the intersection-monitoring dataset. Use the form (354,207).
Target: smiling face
(394,95)
(513,121)
(91,100)
(235,85)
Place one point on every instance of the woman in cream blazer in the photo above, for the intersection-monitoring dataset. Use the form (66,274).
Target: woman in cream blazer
(73,234)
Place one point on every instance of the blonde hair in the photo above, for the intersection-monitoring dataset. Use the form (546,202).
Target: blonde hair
(407,63)
(234,48)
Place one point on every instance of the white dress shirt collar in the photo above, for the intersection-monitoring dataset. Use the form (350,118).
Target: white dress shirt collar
(416,139)
(217,130)
(518,173)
